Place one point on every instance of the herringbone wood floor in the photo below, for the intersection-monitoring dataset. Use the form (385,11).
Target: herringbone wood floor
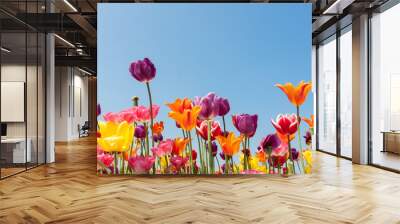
(70,192)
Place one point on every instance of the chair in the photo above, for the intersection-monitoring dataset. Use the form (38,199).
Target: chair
(84,130)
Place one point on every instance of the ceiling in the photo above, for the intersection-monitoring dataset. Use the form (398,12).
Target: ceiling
(75,22)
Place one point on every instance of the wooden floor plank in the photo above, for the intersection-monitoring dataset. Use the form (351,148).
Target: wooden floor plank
(69,191)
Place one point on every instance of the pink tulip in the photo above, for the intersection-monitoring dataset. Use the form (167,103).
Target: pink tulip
(112,117)
(106,159)
(285,124)
(251,172)
(163,148)
(178,162)
(141,113)
(141,164)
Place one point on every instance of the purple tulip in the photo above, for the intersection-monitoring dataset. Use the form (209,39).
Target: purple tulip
(222,155)
(98,109)
(158,137)
(295,154)
(308,138)
(223,106)
(223,168)
(140,132)
(209,107)
(245,123)
(143,70)
(214,148)
(212,106)
(270,142)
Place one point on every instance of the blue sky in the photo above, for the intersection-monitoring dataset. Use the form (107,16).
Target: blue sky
(238,51)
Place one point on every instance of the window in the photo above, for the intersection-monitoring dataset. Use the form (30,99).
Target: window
(346,92)
(385,88)
(327,95)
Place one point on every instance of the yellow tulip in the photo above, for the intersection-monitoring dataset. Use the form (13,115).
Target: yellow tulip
(115,137)
(307,155)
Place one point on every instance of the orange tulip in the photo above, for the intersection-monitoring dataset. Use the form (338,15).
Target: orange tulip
(310,121)
(261,155)
(284,138)
(187,120)
(179,145)
(296,95)
(230,145)
(180,105)
(158,128)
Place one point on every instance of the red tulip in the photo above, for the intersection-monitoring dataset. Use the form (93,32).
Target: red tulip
(285,124)
(203,130)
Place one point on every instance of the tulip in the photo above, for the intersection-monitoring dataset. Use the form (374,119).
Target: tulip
(187,119)
(194,155)
(222,155)
(307,155)
(98,109)
(203,130)
(158,137)
(158,128)
(141,113)
(251,172)
(308,138)
(230,145)
(106,159)
(284,138)
(270,141)
(163,148)
(214,149)
(261,155)
(141,164)
(279,156)
(285,124)
(223,106)
(180,105)
(115,137)
(112,117)
(309,121)
(295,154)
(245,124)
(179,145)
(143,70)
(209,107)
(140,132)
(296,95)
(178,161)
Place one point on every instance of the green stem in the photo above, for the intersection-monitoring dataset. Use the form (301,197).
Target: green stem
(219,166)
(147,140)
(166,163)
(210,147)
(200,153)
(223,122)
(115,163)
(290,153)
(226,164)
(248,156)
(151,112)
(299,135)
(190,153)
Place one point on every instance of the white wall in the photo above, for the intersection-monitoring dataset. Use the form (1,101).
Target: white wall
(71,102)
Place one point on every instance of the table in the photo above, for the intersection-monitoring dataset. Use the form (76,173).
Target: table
(391,141)
(17,150)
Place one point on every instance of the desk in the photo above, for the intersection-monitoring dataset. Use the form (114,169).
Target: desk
(391,141)
(16,147)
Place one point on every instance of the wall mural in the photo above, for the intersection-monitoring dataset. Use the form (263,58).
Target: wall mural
(206,134)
